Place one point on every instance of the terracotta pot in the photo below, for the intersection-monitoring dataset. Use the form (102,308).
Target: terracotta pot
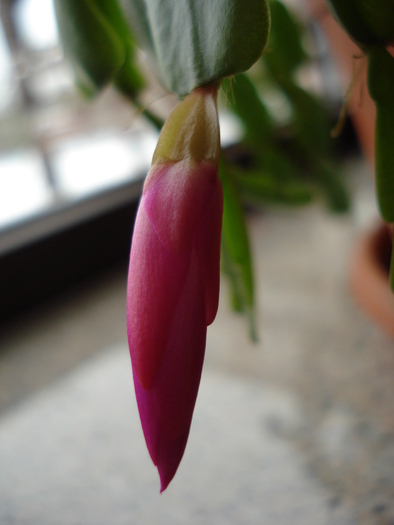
(369,276)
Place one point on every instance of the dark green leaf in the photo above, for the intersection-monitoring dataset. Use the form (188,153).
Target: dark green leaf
(367,22)
(128,79)
(392,266)
(235,242)
(230,271)
(381,89)
(263,188)
(92,45)
(337,196)
(310,120)
(200,42)
(284,50)
(277,162)
(247,104)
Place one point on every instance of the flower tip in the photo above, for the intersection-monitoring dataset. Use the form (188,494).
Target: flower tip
(162,487)
(169,459)
(165,479)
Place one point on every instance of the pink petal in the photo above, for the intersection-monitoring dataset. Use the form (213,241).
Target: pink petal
(208,248)
(175,198)
(166,408)
(156,279)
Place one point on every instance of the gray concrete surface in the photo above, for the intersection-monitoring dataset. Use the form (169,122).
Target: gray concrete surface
(75,455)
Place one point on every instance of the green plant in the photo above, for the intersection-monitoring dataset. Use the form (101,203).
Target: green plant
(370,24)
(194,47)
(101,47)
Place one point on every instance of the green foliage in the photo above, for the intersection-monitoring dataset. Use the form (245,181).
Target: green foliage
(193,43)
(368,22)
(311,124)
(381,89)
(196,43)
(392,268)
(379,15)
(90,42)
(236,254)
(245,101)
(98,43)
(371,25)
(271,178)
(329,180)
(287,173)
(263,189)
(348,14)
(128,78)
(285,51)
(100,47)
(277,171)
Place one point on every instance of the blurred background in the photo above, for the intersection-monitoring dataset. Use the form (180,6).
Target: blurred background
(296,428)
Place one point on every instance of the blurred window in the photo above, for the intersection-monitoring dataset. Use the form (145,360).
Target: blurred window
(7,88)
(36,23)
(56,149)
(24,187)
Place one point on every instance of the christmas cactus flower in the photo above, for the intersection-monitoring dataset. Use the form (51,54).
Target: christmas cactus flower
(173,281)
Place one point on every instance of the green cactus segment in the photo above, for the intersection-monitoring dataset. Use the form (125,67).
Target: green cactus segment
(380,75)
(128,79)
(94,48)
(379,14)
(384,160)
(229,271)
(98,42)
(310,119)
(245,101)
(113,13)
(257,189)
(336,194)
(284,50)
(263,188)
(349,15)
(392,267)
(197,43)
(381,89)
(237,259)
(368,22)
(136,12)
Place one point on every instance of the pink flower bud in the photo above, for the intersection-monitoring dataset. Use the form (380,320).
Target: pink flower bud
(173,282)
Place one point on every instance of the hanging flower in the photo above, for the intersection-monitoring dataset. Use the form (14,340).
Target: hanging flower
(173,281)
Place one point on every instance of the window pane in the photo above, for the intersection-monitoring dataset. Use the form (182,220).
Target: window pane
(7,83)
(24,188)
(36,23)
(91,163)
